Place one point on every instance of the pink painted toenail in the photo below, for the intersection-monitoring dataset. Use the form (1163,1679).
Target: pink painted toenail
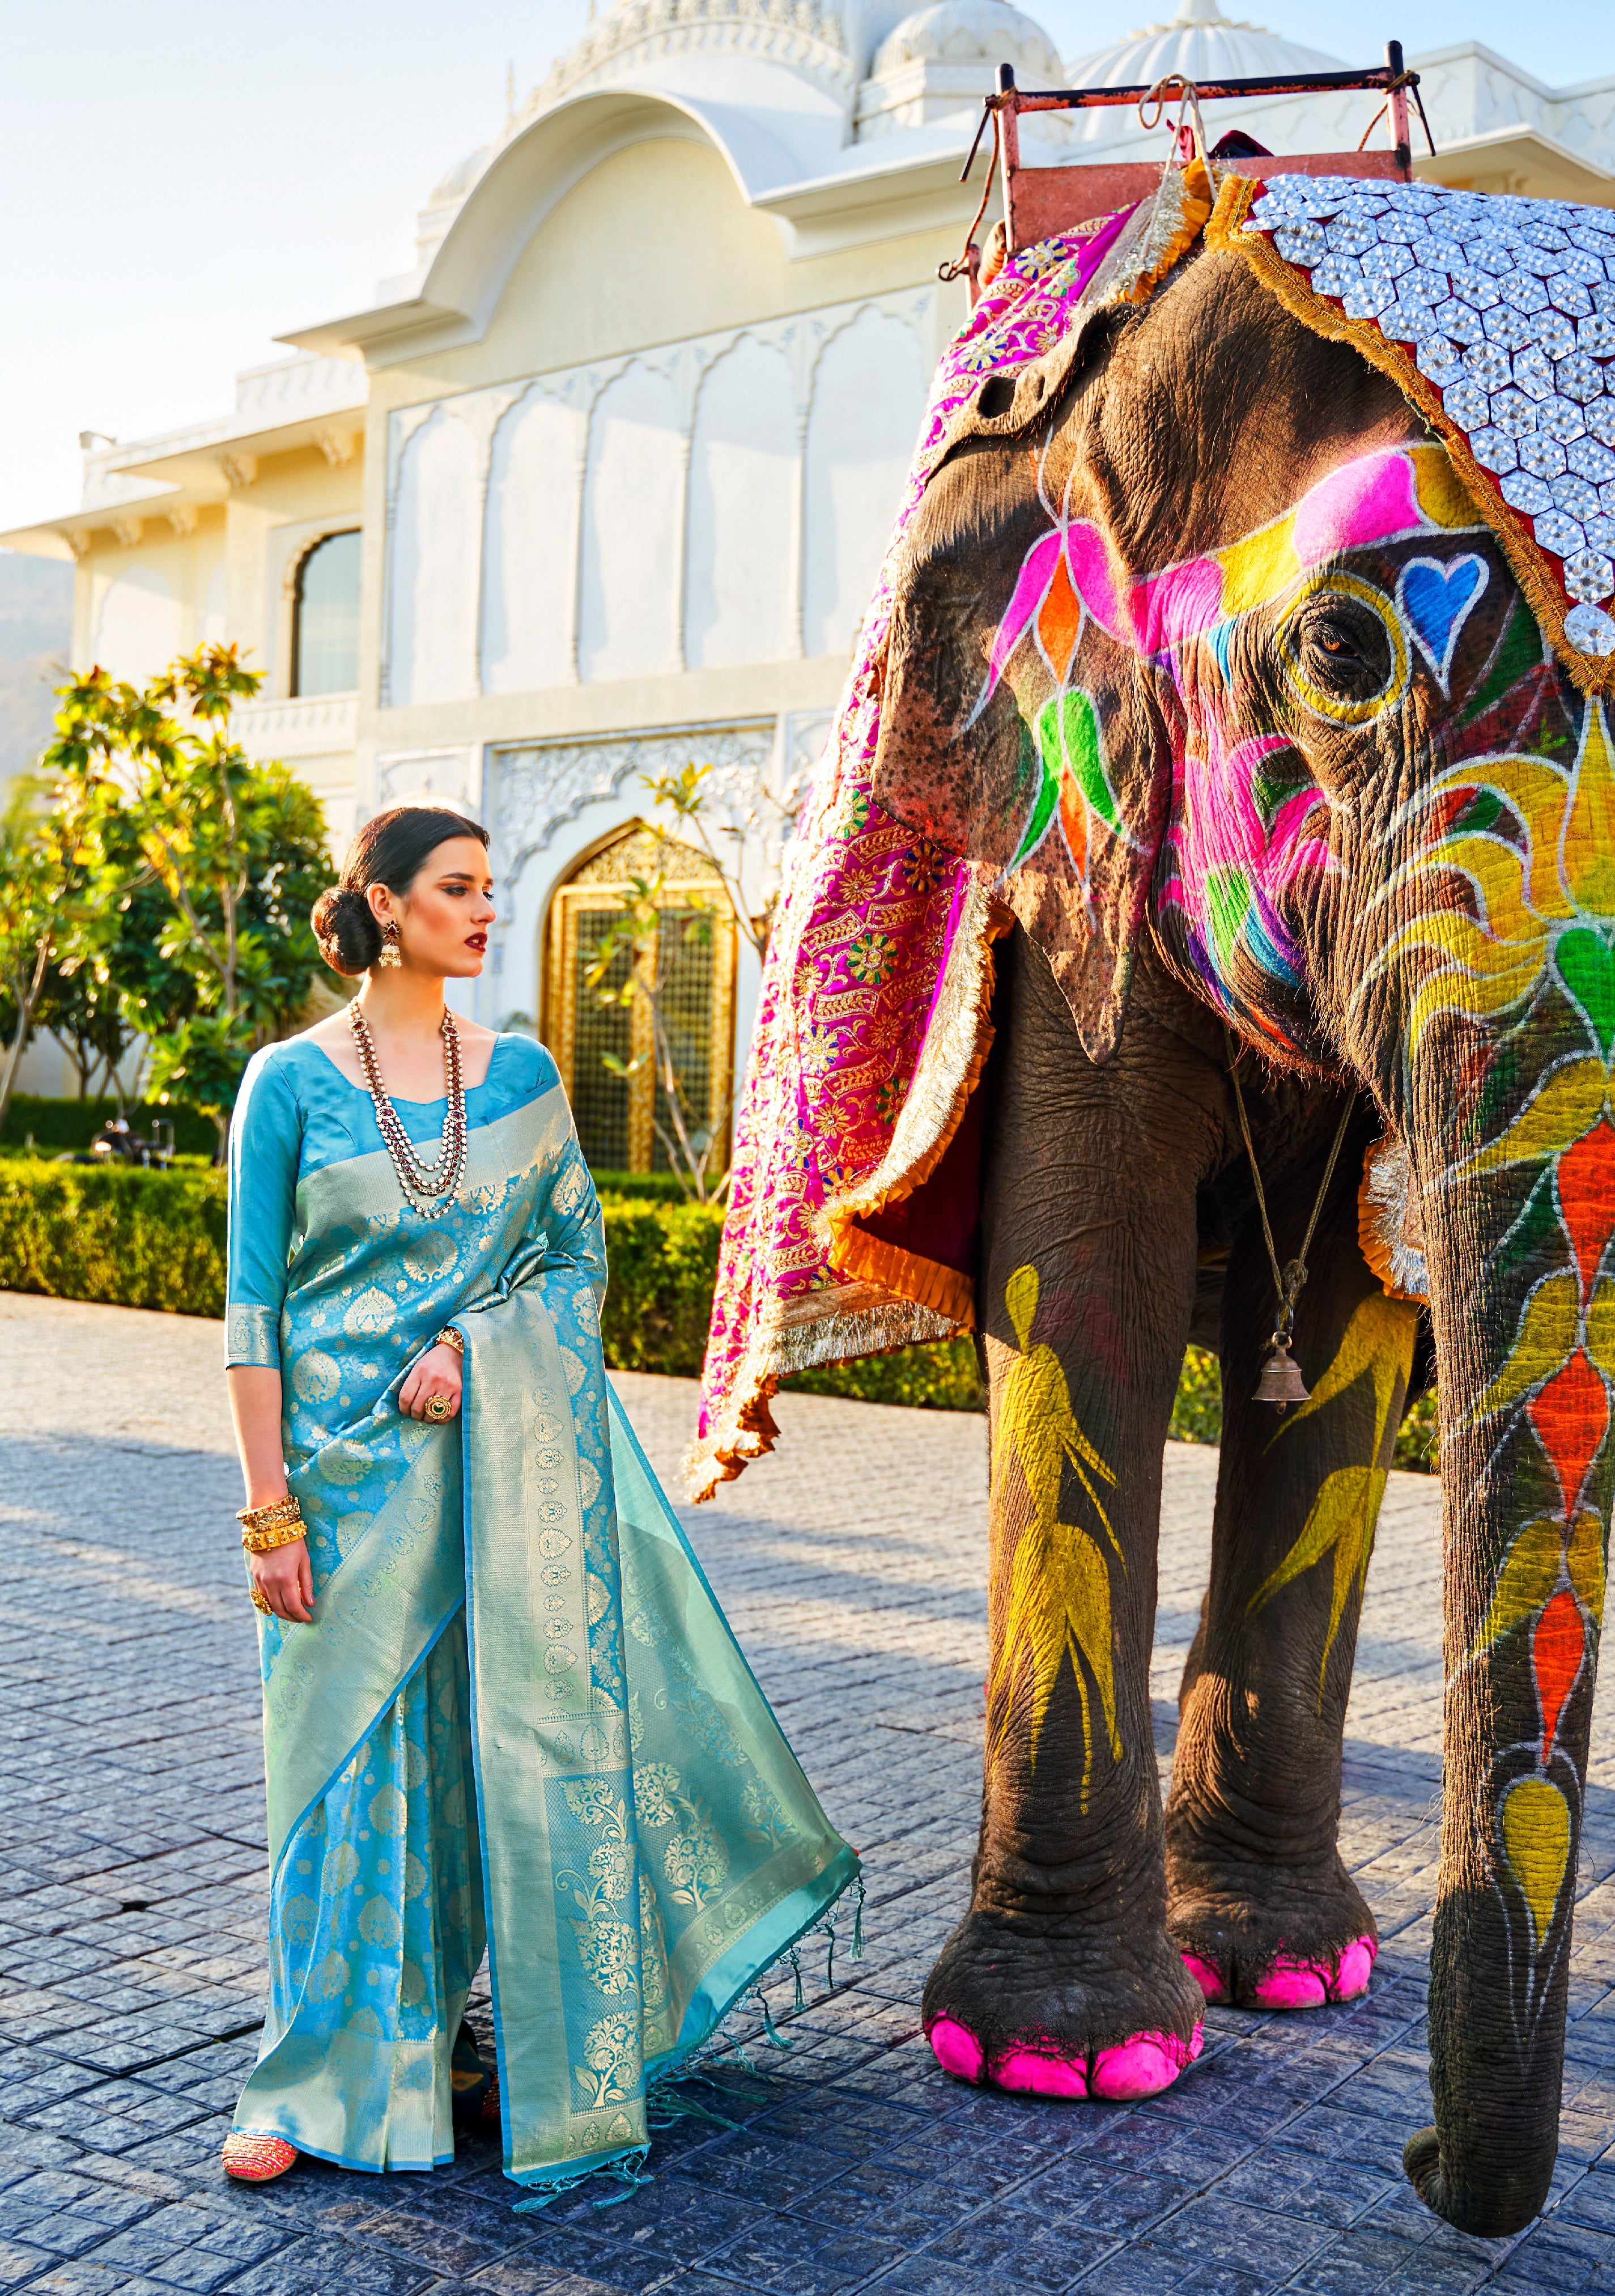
(1144,2065)
(1353,1969)
(1207,1976)
(956,2051)
(1291,1985)
(1035,2074)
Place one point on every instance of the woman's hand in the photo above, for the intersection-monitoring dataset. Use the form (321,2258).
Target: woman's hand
(286,1580)
(434,1380)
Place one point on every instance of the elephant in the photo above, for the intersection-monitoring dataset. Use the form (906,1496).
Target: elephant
(1202,653)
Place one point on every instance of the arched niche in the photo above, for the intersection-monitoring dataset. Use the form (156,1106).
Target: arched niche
(868,394)
(623,1122)
(741,543)
(432,602)
(530,546)
(632,505)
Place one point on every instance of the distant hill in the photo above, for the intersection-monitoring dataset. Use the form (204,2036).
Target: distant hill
(35,633)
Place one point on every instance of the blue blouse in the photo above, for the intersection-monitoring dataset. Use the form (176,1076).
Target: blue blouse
(295,1114)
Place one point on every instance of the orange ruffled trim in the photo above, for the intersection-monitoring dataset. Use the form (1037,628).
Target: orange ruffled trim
(1524,554)
(852,1253)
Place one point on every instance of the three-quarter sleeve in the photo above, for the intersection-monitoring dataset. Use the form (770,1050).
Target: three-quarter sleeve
(265,1141)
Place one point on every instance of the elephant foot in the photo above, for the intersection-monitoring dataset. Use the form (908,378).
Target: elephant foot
(1291,1983)
(1058,2015)
(1265,1938)
(1140,2067)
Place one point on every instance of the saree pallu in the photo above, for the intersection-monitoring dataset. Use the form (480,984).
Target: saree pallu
(520,1715)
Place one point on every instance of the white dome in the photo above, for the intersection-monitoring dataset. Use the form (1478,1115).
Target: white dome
(972,31)
(460,178)
(1200,43)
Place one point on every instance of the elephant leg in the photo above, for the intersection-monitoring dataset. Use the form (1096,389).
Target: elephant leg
(1261,1906)
(1061,1978)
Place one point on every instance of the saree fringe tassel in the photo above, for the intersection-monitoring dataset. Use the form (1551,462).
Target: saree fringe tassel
(665,2100)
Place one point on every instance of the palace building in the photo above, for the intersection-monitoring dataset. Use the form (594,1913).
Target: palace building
(599,488)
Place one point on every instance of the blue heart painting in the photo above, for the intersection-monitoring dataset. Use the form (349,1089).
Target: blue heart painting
(1437,597)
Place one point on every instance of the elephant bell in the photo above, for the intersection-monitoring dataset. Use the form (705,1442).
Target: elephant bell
(1281,1382)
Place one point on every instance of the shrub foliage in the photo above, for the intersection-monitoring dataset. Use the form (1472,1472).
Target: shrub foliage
(137,1239)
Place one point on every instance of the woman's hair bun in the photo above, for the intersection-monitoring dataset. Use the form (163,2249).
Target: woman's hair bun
(346,929)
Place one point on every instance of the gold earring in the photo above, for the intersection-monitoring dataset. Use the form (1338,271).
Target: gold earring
(390,944)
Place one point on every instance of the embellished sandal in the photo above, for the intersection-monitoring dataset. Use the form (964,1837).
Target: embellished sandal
(255,2159)
(471,2083)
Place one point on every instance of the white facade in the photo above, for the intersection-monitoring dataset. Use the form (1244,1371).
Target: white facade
(623,449)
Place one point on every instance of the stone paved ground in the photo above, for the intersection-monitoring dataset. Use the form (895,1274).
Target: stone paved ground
(131,1892)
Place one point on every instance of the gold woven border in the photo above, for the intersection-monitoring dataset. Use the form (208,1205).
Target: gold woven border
(1592,673)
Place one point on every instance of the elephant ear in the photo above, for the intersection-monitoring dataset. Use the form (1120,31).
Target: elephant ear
(1016,726)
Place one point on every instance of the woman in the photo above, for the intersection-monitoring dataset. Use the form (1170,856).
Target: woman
(500,1706)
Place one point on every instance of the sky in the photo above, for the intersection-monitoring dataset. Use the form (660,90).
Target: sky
(180,181)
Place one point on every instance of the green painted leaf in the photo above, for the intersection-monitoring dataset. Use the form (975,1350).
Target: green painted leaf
(1084,756)
(1586,966)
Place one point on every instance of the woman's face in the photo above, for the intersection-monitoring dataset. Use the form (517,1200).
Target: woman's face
(443,920)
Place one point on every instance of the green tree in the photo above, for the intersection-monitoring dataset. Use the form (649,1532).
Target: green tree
(48,857)
(223,856)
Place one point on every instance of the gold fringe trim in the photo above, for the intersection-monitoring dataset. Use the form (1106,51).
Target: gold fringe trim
(951,1062)
(834,1336)
(947,1291)
(1593,674)
(1182,206)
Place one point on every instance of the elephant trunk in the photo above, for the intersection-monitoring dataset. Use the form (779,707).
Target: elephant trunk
(1515,1236)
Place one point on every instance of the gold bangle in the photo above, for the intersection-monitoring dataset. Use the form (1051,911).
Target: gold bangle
(265,1518)
(265,1542)
(449,1338)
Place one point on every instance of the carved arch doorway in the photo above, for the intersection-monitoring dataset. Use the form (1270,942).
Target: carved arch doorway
(623,1122)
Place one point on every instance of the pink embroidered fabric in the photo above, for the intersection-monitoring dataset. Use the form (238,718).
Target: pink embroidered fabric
(865,922)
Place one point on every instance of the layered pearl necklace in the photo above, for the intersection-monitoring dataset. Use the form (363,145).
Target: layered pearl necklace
(428,1187)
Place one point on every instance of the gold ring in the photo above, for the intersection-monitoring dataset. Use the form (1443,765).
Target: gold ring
(260,1602)
(438,1408)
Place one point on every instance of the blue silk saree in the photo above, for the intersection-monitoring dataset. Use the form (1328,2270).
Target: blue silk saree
(520,1720)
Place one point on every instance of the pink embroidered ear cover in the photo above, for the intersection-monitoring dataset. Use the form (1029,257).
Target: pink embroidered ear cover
(853,1203)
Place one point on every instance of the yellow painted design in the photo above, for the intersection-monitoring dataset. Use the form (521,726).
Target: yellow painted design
(1377,1344)
(1568,1103)
(1536,1843)
(1259,567)
(1443,496)
(1562,870)
(1547,1335)
(1584,1560)
(1529,1576)
(1601,1327)
(1059,1585)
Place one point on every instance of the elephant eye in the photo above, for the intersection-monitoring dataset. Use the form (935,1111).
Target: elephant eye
(1343,651)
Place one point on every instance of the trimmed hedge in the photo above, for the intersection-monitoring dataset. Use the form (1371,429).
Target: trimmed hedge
(111,1232)
(138,1239)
